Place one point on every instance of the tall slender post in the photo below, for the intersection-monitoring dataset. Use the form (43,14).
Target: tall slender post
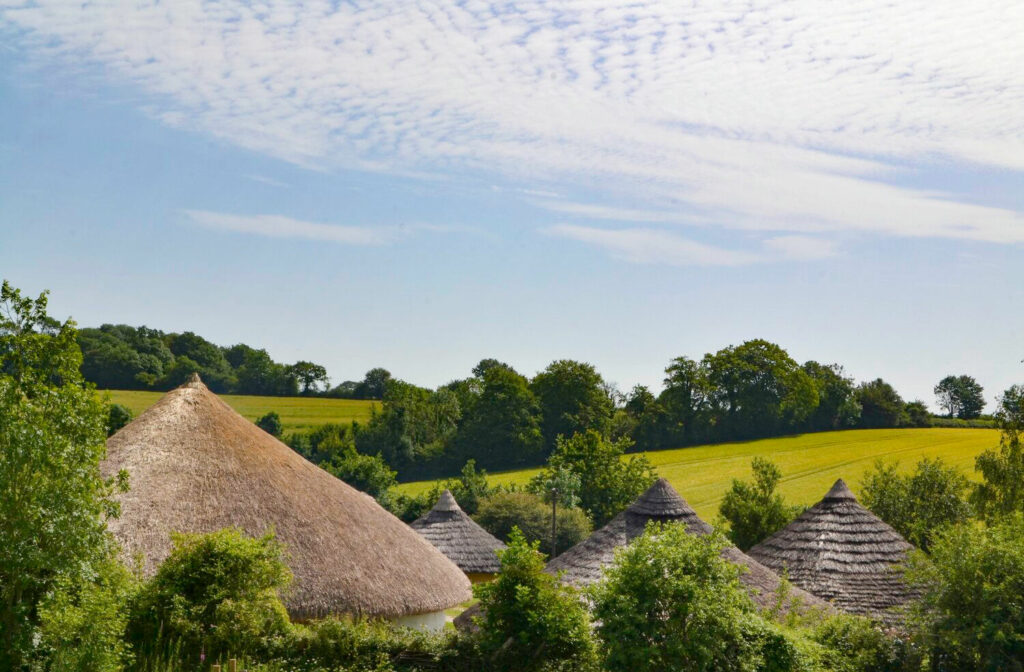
(554,522)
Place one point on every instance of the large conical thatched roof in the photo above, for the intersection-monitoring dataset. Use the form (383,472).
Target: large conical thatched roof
(195,465)
(454,533)
(583,563)
(842,552)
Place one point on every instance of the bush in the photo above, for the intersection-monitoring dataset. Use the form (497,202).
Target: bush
(670,602)
(369,473)
(754,510)
(360,644)
(530,621)
(503,512)
(856,644)
(271,424)
(117,417)
(215,593)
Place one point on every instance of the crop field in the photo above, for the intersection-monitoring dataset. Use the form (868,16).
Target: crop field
(297,413)
(810,463)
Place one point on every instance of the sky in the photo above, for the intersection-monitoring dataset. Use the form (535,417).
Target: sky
(420,185)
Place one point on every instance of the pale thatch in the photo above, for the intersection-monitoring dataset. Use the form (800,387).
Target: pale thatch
(195,465)
(584,563)
(454,533)
(842,552)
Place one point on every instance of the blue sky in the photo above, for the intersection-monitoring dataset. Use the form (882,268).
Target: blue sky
(419,185)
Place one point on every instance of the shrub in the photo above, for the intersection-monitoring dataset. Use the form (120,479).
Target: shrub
(670,602)
(856,644)
(215,593)
(755,510)
(503,512)
(361,644)
(271,424)
(530,621)
(369,473)
(117,417)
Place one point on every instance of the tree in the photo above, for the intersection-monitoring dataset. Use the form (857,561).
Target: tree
(53,501)
(501,428)
(117,417)
(468,489)
(501,512)
(685,403)
(530,620)
(961,396)
(1001,490)
(917,414)
(608,484)
(970,615)
(919,504)
(670,602)
(208,359)
(271,424)
(880,404)
(837,405)
(311,376)
(572,399)
(755,510)
(375,384)
(369,473)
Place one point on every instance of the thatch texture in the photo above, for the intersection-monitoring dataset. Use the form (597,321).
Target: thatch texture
(842,552)
(195,465)
(454,533)
(584,563)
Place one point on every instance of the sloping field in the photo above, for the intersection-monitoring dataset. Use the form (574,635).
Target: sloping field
(810,463)
(297,413)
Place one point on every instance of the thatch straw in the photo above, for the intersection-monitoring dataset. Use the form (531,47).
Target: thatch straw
(842,552)
(451,531)
(584,563)
(198,466)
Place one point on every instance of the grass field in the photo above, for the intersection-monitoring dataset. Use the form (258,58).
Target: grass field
(297,413)
(810,463)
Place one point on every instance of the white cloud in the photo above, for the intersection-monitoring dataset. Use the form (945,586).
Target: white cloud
(748,116)
(800,247)
(263,179)
(276,226)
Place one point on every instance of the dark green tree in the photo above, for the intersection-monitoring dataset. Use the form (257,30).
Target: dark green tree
(374,385)
(837,406)
(881,406)
(501,427)
(683,408)
(572,399)
(312,377)
(961,396)
(917,414)
(271,424)
(1001,490)
(209,360)
(755,510)
(501,512)
(117,417)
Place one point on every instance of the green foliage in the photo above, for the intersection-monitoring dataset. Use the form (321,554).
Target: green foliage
(369,473)
(360,644)
(117,417)
(755,510)
(375,384)
(961,396)
(561,485)
(918,504)
(530,620)
(971,616)
(82,624)
(880,404)
(216,593)
(572,399)
(414,426)
(1002,488)
(837,406)
(855,644)
(53,500)
(271,424)
(501,425)
(468,489)
(684,406)
(608,484)
(670,602)
(502,512)
(917,414)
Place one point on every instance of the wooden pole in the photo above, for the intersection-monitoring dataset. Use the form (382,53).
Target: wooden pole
(214,668)
(233,665)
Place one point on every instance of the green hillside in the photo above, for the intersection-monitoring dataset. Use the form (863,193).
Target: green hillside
(297,413)
(810,462)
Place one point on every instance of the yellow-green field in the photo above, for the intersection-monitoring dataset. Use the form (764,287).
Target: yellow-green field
(810,463)
(297,413)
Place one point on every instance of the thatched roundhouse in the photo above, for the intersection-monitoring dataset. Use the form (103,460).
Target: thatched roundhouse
(454,533)
(842,552)
(584,563)
(195,465)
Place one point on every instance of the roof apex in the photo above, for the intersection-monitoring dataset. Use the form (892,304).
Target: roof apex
(840,492)
(194,381)
(446,502)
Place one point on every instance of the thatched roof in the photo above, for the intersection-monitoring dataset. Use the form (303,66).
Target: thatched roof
(842,552)
(454,533)
(195,465)
(584,563)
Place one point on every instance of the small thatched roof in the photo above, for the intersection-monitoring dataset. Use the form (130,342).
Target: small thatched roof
(584,563)
(454,533)
(195,465)
(842,552)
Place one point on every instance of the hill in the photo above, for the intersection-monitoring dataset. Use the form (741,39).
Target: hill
(297,413)
(810,463)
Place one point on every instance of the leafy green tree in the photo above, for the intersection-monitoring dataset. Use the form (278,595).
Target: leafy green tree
(369,473)
(413,427)
(209,360)
(670,602)
(501,427)
(53,501)
(501,512)
(270,423)
(684,406)
(961,396)
(857,644)
(608,483)
(468,489)
(917,414)
(971,616)
(312,377)
(837,406)
(531,622)
(919,504)
(374,385)
(257,373)
(758,390)
(117,417)
(1001,490)
(649,419)
(572,399)
(881,405)
(217,593)
(755,510)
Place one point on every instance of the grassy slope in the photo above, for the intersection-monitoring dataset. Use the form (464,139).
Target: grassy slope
(810,463)
(297,413)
